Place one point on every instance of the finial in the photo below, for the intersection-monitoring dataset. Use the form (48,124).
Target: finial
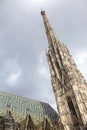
(42,12)
(8,112)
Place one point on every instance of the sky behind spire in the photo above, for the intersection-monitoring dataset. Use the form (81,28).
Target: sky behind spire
(23,65)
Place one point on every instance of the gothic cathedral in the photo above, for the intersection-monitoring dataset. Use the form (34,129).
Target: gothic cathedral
(70,87)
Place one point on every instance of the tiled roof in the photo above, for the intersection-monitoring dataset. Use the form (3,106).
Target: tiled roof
(19,106)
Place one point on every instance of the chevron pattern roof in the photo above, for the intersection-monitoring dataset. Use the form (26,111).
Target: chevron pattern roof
(20,106)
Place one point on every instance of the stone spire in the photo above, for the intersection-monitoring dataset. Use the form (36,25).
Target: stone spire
(49,31)
(54,45)
(69,85)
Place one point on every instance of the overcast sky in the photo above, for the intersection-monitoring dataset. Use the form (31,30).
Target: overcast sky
(24,69)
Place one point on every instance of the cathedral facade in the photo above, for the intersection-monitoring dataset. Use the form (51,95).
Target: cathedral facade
(70,89)
(69,85)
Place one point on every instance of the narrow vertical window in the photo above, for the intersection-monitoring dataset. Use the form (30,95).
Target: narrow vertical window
(71,107)
(73,113)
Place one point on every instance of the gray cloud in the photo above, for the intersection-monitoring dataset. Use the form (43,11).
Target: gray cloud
(23,66)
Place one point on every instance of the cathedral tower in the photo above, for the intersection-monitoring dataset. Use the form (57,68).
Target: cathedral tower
(70,87)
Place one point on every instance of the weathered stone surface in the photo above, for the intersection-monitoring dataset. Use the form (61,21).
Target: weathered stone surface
(69,85)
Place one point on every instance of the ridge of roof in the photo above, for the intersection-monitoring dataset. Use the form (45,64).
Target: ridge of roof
(24,97)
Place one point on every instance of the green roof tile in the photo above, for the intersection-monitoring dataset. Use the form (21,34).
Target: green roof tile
(19,106)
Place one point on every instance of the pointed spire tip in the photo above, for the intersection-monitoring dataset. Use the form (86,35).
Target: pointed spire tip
(42,12)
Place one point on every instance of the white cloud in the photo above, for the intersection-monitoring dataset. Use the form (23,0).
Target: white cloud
(42,68)
(13,78)
(11,72)
(22,34)
(81,58)
(81,61)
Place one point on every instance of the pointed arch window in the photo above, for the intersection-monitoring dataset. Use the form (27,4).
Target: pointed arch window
(71,107)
